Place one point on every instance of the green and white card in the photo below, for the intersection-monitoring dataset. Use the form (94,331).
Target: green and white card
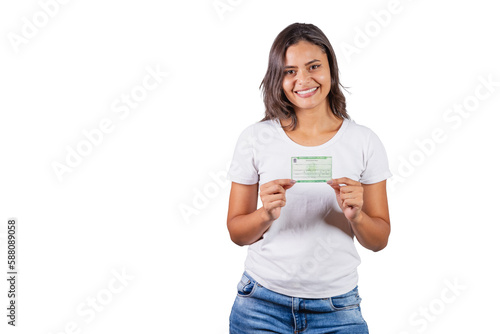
(311,169)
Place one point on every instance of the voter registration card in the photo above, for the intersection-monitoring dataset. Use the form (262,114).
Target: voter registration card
(311,169)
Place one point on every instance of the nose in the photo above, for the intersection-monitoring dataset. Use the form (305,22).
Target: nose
(303,77)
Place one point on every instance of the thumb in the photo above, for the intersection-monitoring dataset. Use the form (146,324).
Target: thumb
(288,183)
(334,186)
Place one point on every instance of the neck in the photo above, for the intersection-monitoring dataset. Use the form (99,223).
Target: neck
(316,120)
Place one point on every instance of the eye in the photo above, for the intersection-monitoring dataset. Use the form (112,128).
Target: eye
(289,72)
(314,67)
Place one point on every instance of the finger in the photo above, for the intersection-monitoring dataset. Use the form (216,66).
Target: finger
(351,202)
(335,185)
(343,180)
(281,182)
(348,189)
(284,182)
(277,184)
(345,196)
(275,204)
(274,189)
(273,198)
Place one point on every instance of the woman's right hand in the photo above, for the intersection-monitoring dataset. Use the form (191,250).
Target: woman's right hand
(272,195)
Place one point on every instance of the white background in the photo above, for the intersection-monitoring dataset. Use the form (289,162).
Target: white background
(120,208)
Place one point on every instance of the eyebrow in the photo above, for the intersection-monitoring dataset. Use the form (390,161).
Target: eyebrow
(308,63)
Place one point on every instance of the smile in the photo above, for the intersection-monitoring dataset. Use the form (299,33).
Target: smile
(306,93)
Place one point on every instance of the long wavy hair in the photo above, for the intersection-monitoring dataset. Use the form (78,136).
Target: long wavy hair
(276,103)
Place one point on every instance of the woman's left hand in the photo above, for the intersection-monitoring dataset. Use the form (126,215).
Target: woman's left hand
(349,196)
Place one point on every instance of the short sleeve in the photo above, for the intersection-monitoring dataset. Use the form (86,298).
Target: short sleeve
(376,164)
(243,166)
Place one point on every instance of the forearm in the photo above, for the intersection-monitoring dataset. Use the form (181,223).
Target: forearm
(246,229)
(372,233)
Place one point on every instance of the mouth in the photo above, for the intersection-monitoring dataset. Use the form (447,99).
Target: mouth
(306,92)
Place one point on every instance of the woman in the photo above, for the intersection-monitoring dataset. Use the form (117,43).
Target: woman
(301,269)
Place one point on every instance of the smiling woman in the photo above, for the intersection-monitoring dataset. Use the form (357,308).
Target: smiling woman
(311,54)
(307,84)
(301,268)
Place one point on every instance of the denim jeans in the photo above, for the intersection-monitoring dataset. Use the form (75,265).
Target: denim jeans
(260,310)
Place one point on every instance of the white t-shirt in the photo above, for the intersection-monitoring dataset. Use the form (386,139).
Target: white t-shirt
(308,251)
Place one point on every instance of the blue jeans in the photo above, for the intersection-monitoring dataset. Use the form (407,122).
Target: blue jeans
(260,310)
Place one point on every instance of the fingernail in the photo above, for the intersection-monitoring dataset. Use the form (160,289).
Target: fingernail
(329,181)
(293,181)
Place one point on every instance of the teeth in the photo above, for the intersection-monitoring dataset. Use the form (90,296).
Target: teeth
(307,91)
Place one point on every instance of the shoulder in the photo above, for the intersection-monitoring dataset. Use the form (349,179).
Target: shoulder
(363,138)
(259,129)
(359,131)
(264,125)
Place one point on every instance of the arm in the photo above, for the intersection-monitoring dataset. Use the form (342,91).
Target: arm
(373,226)
(245,223)
(366,208)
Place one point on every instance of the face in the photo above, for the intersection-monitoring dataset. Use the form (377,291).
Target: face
(307,79)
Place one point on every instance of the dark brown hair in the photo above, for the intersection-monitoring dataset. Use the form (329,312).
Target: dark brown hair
(276,103)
